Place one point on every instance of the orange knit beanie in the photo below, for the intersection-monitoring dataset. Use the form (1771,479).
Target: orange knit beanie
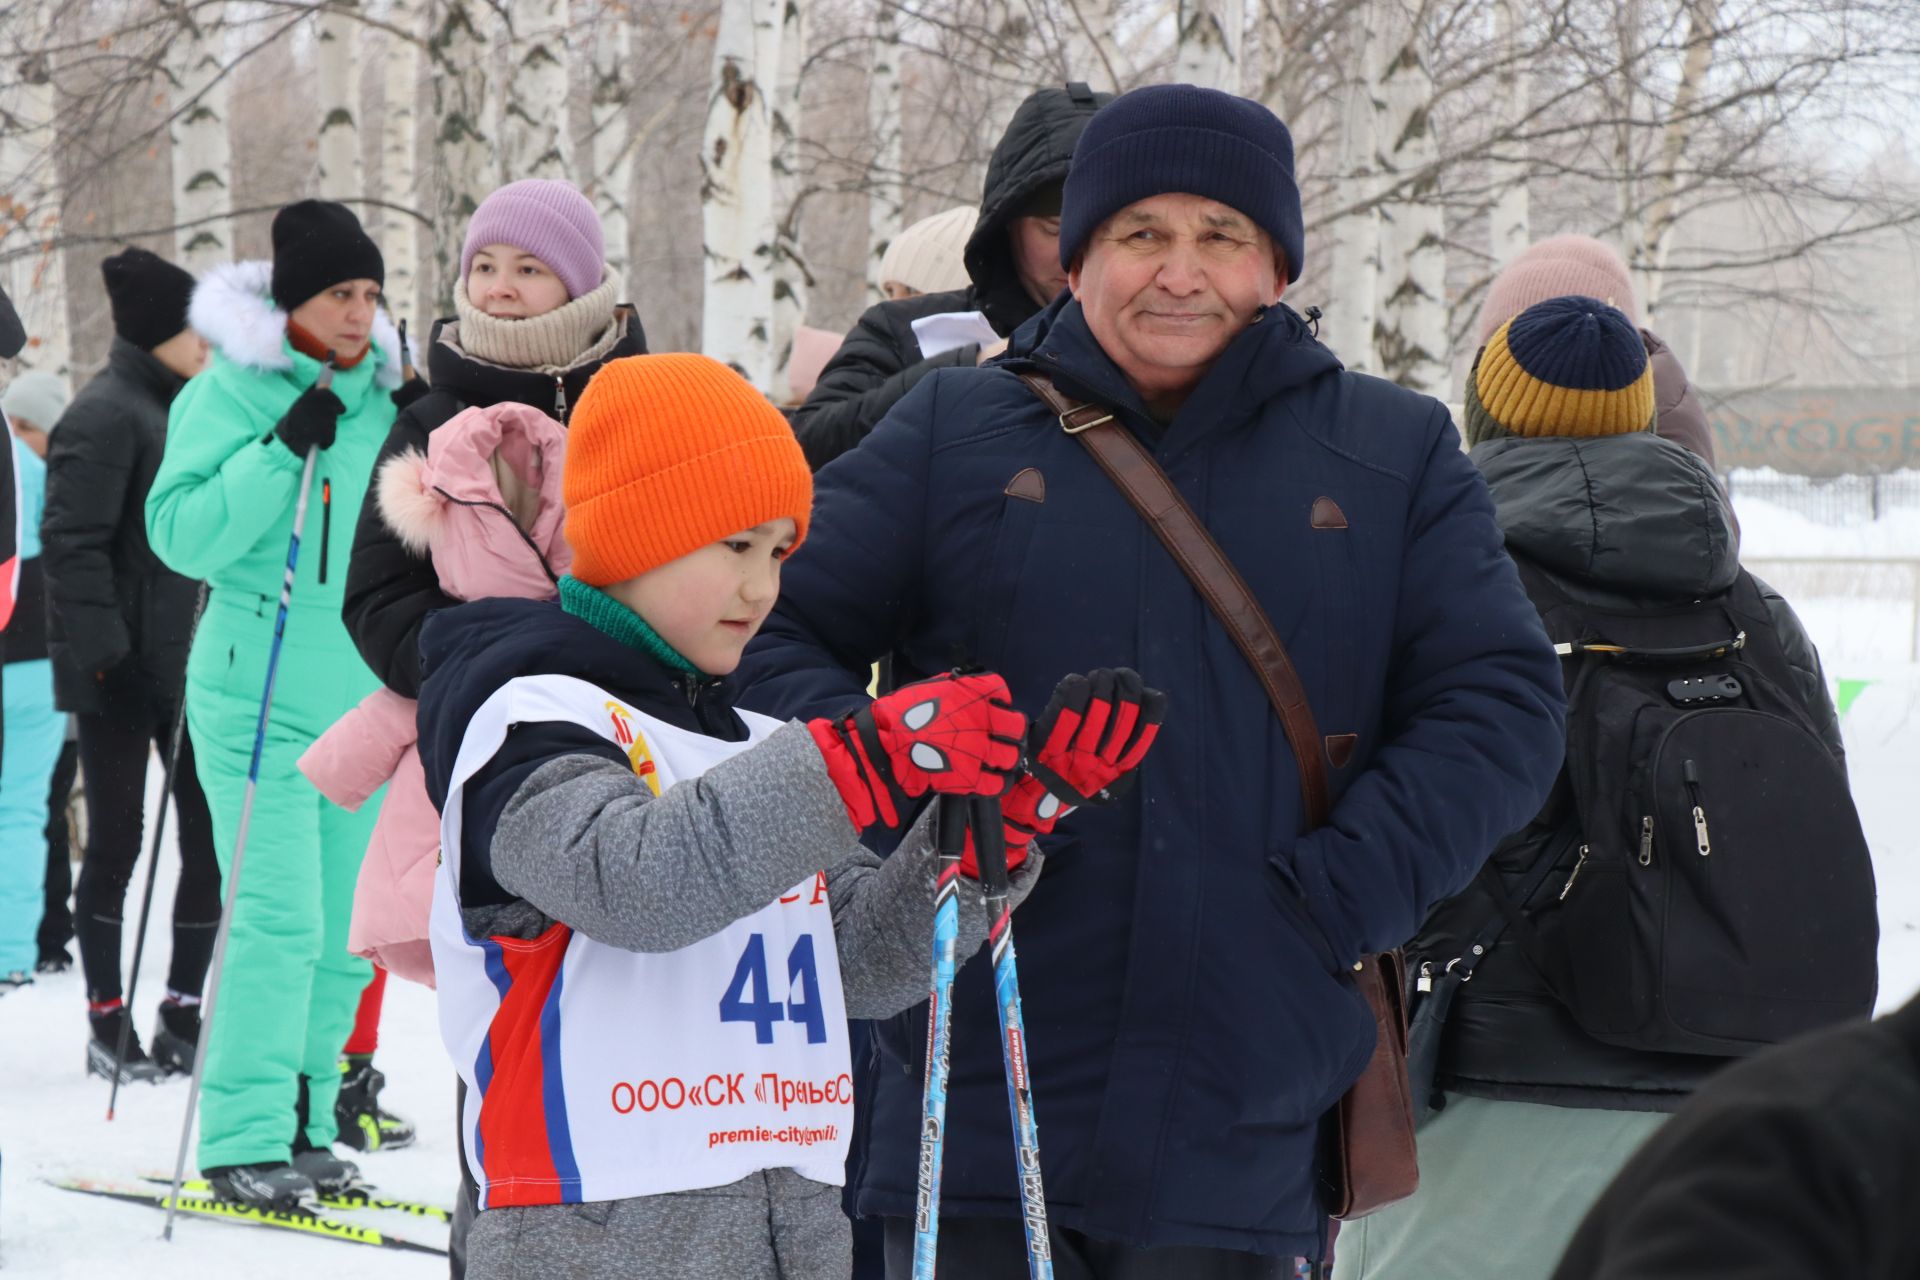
(668,453)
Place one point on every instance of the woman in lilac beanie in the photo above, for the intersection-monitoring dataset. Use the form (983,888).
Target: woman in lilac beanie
(536,314)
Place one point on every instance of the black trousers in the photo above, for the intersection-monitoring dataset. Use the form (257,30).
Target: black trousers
(113,752)
(56,921)
(997,1248)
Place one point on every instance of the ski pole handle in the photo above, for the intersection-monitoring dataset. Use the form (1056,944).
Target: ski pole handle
(406,355)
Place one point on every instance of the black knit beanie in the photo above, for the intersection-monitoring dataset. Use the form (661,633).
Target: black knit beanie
(316,244)
(148,296)
(1181,138)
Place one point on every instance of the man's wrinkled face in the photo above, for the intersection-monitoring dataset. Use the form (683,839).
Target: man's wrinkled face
(1168,282)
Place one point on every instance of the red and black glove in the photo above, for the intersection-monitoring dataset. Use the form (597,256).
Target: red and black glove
(1084,749)
(957,735)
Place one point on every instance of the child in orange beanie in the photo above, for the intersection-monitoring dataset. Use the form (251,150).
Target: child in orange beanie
(653,915)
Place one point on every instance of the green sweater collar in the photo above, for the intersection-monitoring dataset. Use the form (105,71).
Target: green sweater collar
(605,614)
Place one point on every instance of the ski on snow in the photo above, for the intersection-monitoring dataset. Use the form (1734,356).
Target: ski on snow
(357,1198)
(207,1206)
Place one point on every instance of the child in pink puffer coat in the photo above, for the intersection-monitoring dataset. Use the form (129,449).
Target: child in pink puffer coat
(485,502)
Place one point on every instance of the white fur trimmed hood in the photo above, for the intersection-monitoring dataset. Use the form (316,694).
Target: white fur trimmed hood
(233,309)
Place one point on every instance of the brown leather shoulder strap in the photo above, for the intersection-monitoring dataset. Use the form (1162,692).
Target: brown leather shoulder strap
(1135,473)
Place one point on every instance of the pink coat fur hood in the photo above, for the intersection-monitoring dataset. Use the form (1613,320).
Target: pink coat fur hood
(484,502)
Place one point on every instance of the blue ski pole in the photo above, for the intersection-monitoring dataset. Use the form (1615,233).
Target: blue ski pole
(217,971)
(990,848)
(952,838)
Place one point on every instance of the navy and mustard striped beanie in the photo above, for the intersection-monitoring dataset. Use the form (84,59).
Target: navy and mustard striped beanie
(1568,366)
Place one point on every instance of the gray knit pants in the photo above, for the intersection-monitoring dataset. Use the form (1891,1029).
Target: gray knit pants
(772,1225)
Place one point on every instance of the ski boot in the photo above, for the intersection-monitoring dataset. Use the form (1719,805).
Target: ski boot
(363,1125)
(326,1171)
(15,980)
(276,1187)
(54,960)
(176,1034)
(106,1038)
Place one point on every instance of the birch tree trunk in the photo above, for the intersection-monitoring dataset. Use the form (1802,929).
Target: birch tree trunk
(736,162)
(534,140)
(1008,34)
(1092,53)
(31,197)
(464,153)
(1412,343)
(1211,35)
(339,90)
(1649,260)
(1625,111)
(1352,308)
(791,278)
(1509,221)
(886,198)
(196,63)
(399,166)
(613,141)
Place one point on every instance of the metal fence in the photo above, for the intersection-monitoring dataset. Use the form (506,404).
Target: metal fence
(1834,500)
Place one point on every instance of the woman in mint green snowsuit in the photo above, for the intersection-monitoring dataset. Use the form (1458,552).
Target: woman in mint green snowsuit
(221,508)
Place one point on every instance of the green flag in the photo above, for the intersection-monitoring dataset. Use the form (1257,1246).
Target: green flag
(1849,690)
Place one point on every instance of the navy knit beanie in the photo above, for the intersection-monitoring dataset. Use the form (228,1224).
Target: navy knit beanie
(1182,138)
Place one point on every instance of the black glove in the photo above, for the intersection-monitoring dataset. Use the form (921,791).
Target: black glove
(409,391)
(310,421)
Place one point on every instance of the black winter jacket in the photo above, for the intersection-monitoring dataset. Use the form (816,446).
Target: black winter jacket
(390,590)
(1619,521)
(880,360)
(1801,1162)
(112,606)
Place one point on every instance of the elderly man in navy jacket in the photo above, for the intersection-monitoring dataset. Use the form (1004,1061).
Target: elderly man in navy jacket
(1186,955)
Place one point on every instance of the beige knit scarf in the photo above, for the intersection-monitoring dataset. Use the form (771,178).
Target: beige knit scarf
(582,331)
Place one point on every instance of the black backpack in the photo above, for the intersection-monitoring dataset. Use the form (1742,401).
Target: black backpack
(1719,893)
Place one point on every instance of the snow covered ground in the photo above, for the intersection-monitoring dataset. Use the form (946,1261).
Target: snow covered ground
(52,1116)
(53,1125)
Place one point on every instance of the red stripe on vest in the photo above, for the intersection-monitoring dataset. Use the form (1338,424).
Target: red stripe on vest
(513,1116)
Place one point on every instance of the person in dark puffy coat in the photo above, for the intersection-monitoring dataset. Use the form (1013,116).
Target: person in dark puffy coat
(536,316)
(1012,257)
(119,622)
(1186,957)
(1535,1115)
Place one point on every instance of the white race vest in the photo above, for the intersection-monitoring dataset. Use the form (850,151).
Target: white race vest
(595,1073)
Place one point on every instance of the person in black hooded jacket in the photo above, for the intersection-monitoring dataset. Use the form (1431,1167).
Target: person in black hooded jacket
(119,623)
(1012,256)
(536,318)
(1535,1115)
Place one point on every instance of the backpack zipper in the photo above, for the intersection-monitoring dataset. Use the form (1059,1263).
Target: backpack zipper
(1567,888)
(1700,839)
(1646,840)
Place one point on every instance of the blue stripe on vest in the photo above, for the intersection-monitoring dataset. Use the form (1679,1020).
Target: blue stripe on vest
(554,1091)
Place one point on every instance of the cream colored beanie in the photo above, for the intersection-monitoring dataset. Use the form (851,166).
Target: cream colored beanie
(927,256)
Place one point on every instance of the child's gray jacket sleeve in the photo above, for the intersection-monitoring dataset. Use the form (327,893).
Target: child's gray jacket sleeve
(586,842)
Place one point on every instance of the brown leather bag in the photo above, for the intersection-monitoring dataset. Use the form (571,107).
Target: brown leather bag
(1372,1161)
